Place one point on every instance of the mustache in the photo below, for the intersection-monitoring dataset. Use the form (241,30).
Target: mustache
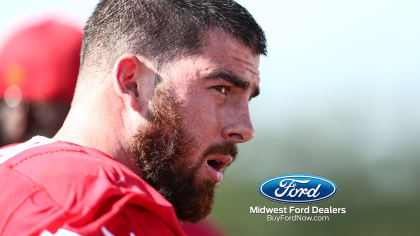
(225,148)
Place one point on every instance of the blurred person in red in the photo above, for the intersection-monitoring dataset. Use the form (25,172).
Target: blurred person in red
(160,104)
(39,65)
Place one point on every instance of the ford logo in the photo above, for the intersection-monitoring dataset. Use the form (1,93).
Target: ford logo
(297,189)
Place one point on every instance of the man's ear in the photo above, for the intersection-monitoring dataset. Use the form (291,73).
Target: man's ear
(130,76)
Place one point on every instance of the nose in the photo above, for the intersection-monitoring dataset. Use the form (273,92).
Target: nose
(239,127)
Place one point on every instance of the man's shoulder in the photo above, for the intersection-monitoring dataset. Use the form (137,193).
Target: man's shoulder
(69,172)
(41,150)
(46,157)
(73,183)
(64,170)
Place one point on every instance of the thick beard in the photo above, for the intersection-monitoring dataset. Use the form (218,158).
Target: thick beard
(163,149)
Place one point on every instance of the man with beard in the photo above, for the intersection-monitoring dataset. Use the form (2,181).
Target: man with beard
(160,104)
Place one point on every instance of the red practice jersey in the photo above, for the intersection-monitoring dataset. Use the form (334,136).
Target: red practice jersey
(50,187)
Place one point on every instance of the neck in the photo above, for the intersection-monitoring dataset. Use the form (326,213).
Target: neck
(96,128)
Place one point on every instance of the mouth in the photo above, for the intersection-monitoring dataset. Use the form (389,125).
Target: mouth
(216,165)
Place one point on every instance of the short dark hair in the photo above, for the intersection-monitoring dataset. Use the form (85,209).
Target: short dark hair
(163,30)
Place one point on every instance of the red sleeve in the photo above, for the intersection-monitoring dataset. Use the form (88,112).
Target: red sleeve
(39,216)
(128,220)
(132,221)
(60,187)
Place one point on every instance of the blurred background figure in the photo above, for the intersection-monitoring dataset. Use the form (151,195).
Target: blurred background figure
(38,72)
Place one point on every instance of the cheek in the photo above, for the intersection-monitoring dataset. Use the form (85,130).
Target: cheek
(201,118)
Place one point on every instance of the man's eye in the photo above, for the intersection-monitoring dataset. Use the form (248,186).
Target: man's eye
(222,89)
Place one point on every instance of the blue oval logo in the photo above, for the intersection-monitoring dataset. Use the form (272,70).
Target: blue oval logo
(298,189)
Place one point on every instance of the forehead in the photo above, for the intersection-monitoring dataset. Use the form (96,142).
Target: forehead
(221,52)
(221,45)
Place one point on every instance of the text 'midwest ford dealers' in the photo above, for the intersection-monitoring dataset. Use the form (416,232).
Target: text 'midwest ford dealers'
(298,189)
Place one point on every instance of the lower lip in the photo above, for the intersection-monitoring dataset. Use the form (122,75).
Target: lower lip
(214,174)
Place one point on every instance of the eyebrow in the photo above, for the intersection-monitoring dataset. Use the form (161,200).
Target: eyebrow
(234,80)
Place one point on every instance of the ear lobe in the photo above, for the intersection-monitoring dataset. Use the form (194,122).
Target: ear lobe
(126,80)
